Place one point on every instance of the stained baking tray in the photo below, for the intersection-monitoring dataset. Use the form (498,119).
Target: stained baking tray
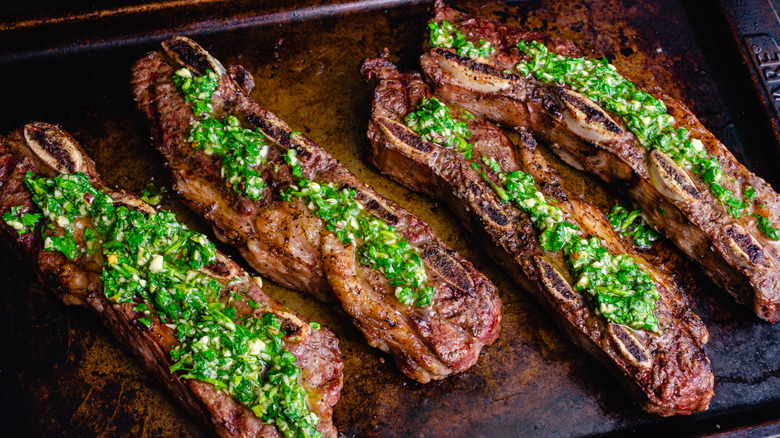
(755,27)
(60,373)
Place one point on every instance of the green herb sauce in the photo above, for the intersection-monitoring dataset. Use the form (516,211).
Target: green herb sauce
(444,34)
(765,226)
(22,223)
(749,193)
(241,150)
(153,261)
(381,246)
(643,114)
(613,285)
(153,195)
(432,123)
(631,224)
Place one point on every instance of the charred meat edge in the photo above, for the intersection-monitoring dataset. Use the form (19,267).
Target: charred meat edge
(733,252)
(296,250)
(666,374)
(46,150)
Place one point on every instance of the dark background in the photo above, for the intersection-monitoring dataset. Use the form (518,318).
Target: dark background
(60,373)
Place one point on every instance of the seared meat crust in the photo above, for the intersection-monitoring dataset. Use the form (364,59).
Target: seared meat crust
(675,201)
(285,241)
(666,373)
(78,282)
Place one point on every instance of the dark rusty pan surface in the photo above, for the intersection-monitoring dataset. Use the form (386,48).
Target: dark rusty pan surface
(61,375)
(755,27)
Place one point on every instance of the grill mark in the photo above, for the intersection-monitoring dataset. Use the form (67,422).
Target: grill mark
(278,134)
(303,149)
(681,181)
(290,328)
(379,210)
(406,135)
(242,77)
(372,205)
(555,280)
(548,100)
(270,129)
(746,243)
(488,208)
(475,66)
(446,265)
(219,268)
(629,342)
(53,146)
(593,114)
(192,58)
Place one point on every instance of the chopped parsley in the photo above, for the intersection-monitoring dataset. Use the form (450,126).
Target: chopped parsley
(381,246)
(21,222)
(631,224)
(153,195)
(749,193)
(613,285)
(444,34)
(153,261)
(643,114)
(241,150)
(765,226)
(433,121)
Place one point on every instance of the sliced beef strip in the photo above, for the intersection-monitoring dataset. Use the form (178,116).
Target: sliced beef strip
(675,201)
(667,373)
(287,242)
(78,282)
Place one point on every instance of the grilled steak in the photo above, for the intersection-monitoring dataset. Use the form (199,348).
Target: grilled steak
(84,278)
(689,186)
(666,370)
(285,228)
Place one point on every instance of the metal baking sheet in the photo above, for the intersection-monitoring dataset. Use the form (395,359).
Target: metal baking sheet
(61,374)
(755,28)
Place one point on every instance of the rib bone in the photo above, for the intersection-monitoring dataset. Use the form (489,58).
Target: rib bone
(404,139)
(586,119)
(449,268)
(669,178)
(630,346)
(480,77)
(55,148)
(555,283)
(744,248)
(134,203)
(410,145)
(189,54)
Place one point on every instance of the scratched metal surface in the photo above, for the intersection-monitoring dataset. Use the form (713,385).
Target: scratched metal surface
(61,374)
(755,28)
